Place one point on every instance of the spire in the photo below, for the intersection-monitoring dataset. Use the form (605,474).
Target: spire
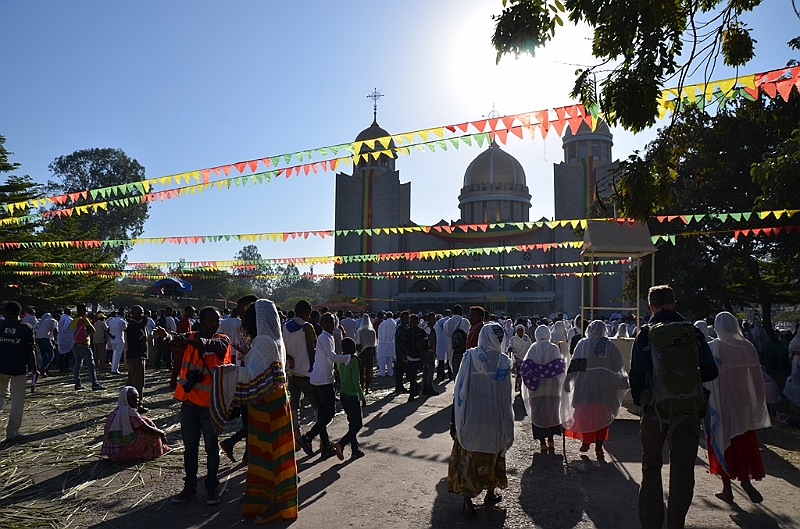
(491,115)
(375,95)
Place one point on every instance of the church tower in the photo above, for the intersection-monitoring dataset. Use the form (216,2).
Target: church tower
(371,197)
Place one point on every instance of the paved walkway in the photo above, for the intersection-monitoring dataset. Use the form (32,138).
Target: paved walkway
(401,483)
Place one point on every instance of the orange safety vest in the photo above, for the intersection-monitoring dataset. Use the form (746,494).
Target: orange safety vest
(193,359)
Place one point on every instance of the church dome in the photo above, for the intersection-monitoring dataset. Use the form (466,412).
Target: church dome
(494,189)
(601,131)
(372,132)
(587,143)
(494,167)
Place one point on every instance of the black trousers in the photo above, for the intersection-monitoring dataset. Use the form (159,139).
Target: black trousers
(412,369)
(326,409)
(353,410)
(399,372)
(367,357)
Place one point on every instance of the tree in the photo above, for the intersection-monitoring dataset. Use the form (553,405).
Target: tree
(96,168)
(638,45)
(745,158)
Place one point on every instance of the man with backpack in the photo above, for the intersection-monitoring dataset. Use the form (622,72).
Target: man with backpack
(669,362)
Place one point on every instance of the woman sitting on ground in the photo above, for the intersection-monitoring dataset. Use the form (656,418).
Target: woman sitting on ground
(128,436)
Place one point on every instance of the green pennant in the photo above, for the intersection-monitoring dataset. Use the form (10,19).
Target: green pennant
(467,140)
(672,239)
(287,158)
(655,238)
(418,147)
(482,137)
(274,161)
(227,237)
(736,216)
(359,232)
(442,144)
(698,218)
(299,155)
(741,92)
(454,141)
(722,217)
(347,147)
(269,175)
(93,193)
(307,154)
(762,214)
(322,151)
(746,216)
(431,146)
(140,187)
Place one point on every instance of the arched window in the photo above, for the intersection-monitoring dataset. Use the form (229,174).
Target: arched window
(526,285)
(474,285)
(423,285)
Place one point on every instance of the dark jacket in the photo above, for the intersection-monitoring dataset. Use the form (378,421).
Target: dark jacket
(642,361)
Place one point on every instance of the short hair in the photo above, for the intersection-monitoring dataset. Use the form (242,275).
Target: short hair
(413,315)
(348,345)
(205,311)
(448,312)
(457,309)
(302,307)
(327,316)
(314,314)
(389,314)
(405,313)
(13,309)
(661,295)
(479,310)
(246,300)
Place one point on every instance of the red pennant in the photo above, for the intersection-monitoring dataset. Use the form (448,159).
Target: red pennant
(206,174)
(662,218)
(561,113)
(226,169)
(501,135)
(480,125)
(306,168)
(463,227)
(574,123)
(558,125)
(770,89)
(508,121)
(451,128)
(216,170)
(462,127)
(240,167)
(516,131)
(493,123)
(785,88)
(482,227)
(252,165)
(266,162)
(74,196)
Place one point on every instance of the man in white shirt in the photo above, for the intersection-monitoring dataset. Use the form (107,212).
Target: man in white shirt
(300,340)
(349,324)
(231,325)
(64,341)
(386,331)
(44,341)
(457,321)
(116,331)
(322,382)
(164,351)
(441,345)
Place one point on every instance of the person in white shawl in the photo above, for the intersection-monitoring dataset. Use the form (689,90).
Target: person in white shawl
(386,353)
(518,347)
(736,409)
(595,385)
(128,436)
(559,337)
(484,421)
(543,371)
(271,485)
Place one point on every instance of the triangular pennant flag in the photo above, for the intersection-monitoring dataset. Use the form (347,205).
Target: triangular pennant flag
(501,135)
(479,125)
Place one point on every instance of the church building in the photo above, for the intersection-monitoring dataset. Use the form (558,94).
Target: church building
(495,190)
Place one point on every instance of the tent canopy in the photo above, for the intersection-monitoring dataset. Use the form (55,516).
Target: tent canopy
(172,285)
(604,238)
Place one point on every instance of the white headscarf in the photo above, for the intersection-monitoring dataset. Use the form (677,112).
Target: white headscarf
(737,403)
(366,323)
(263,373)
(622,330)
(544,404)
(484,415)
(121,430)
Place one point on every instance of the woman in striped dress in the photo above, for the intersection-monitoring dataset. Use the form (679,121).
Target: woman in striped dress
(271,486)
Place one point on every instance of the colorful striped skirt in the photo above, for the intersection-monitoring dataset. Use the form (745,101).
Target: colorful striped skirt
(271,487)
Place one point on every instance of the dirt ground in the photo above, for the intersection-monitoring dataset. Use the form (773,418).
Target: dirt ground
(56,477)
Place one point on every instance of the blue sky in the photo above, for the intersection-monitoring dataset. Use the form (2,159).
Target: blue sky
(182,86)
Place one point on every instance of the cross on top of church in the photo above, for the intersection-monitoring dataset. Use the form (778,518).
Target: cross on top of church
(375,95)
(493,114)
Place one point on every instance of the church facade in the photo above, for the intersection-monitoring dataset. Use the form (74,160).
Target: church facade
(494,190)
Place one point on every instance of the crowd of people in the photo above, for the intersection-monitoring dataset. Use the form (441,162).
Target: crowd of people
(261,364)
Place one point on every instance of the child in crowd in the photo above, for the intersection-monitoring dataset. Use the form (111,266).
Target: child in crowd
(351,395)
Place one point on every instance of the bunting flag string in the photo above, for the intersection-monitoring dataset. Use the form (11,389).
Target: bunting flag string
(773,83)
(742,232)
(127,274)
(685,218)
(336,259)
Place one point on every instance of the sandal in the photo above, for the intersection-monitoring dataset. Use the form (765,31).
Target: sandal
(469,509)
(492,499)
(752,493)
